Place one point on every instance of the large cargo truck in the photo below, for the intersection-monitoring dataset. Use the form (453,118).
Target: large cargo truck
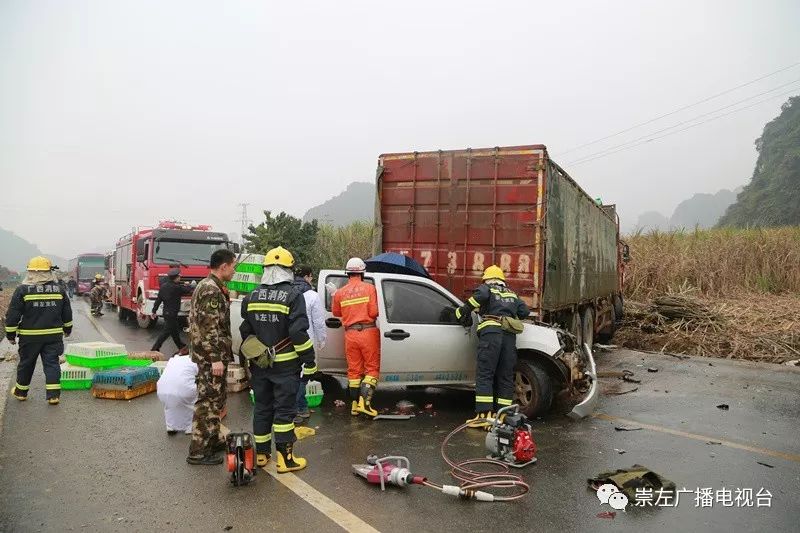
(84,268)
(459,211)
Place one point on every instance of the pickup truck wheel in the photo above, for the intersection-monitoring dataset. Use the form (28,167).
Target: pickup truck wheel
(533,388)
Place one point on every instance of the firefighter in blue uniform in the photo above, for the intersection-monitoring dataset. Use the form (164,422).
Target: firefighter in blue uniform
(40,315)
(275,314)
(497,347)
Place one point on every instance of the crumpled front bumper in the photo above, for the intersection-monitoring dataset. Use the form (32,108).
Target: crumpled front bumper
(587,406)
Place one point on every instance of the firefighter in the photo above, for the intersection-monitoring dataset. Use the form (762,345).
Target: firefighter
(275,320)
(357,305)
(40,314)
(97,295)
(497,347)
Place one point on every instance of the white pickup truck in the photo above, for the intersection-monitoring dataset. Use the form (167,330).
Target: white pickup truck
(422,344)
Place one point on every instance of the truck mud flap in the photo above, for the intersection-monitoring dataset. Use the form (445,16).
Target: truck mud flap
(587,406)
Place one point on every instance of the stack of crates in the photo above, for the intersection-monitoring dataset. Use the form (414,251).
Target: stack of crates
(236,378)
(160,366)
(124,383)
(96,355)
(249,269)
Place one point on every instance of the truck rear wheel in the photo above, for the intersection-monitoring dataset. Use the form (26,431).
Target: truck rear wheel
(576,327)
(533,388)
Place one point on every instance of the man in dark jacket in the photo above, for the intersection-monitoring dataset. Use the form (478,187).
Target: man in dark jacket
(170,294)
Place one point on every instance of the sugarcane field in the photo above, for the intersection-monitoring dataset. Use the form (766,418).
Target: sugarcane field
(450,267)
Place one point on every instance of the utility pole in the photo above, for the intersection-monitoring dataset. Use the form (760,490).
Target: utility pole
(245,221)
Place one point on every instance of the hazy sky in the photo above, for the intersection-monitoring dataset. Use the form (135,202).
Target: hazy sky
(120,113)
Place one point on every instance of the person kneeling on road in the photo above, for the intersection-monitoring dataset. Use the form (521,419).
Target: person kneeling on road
(177,390)
(210,337)
(41,315)
(500,310)
(276,343)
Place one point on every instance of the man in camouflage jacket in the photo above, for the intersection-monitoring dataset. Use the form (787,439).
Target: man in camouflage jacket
(210,339)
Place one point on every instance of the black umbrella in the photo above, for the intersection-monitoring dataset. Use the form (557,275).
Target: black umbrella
(393,263)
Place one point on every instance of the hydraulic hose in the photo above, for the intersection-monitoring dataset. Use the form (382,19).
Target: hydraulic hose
(474,481)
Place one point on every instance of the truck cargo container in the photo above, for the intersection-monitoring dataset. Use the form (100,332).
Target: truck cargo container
(460,211)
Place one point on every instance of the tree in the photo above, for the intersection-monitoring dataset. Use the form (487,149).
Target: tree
(772,198)
(335,245)
(283,230)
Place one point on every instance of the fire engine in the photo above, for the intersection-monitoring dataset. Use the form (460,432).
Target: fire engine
(141,260)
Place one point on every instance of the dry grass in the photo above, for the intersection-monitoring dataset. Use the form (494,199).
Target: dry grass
(719,293)
(717,262)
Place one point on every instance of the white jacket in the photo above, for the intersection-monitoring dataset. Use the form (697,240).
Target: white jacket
(316,319)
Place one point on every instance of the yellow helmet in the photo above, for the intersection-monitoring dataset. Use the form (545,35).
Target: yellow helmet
(40,264)
(493,272)
(98,277)
(279,256)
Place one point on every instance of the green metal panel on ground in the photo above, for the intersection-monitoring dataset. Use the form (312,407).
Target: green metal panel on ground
(580,245)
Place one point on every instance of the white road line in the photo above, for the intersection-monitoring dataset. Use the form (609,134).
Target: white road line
(344,518)
(98,327)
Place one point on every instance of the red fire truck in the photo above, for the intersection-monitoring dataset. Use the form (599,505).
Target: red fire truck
(142,259)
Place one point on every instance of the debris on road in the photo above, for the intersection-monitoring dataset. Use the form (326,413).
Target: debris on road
(619,451)
(793,362)
(630,379)
(713,442)
(765,464)
(630,481)
(652,369)
(405,407)
(607,514)
(338,403)
(619,393)
(627,428)
(723,406)
(428,406)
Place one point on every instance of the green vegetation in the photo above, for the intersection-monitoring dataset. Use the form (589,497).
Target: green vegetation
(318,246)
(772,198)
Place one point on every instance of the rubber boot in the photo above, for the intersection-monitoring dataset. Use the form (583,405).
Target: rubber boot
(262,459)
(353,391)
(19,394)
(365,401)
(479,421)
(53,401)
(490,418)
(286,460)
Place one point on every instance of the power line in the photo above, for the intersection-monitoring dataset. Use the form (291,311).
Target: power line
(586,160)
(687,121)
(704,100)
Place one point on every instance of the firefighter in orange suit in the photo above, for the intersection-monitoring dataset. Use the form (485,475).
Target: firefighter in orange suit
(357,305)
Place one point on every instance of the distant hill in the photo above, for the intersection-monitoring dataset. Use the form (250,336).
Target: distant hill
(772,198)
(702,210)
(357,202)
(16,251)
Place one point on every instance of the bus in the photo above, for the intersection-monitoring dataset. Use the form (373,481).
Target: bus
(84,267)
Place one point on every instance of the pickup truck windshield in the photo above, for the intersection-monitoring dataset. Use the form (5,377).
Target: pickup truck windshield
(185,252)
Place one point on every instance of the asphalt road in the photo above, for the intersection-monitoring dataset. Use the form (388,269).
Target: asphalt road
(102,465)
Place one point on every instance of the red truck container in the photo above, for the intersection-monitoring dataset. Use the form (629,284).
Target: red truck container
(459,211)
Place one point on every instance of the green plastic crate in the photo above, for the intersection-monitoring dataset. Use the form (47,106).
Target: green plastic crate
(96,363)
(137,362)
(242,287)
(75,378)
(250,268)
(314,400)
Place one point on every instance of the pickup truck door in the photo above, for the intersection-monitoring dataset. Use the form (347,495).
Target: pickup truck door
(421,341)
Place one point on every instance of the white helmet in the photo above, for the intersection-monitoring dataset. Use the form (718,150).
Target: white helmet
(355,265)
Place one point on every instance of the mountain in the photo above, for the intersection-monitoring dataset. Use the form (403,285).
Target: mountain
(772,198)
(357,202)
(16,251)
(652,220)
(702,209)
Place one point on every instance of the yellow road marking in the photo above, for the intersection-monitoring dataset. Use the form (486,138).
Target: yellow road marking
(704,438)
